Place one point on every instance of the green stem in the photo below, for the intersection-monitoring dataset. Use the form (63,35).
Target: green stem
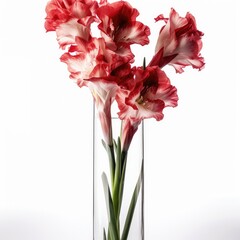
(112,163)
(110,209)
(111,159)
(121,184)
(118,162)
(117,179)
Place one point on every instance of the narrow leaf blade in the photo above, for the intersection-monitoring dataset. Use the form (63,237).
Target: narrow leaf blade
(110,208)
(132,208)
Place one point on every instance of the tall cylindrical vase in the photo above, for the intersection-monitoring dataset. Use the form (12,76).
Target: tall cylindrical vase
(118,184)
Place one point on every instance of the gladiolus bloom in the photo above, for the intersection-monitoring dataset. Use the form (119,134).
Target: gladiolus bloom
(179,43)
(150,94)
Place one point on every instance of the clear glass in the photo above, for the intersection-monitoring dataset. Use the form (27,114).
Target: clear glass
(133,190)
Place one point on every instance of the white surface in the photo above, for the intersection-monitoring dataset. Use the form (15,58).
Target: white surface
(192,156)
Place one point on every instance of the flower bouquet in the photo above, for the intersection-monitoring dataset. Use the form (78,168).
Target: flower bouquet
(101,59)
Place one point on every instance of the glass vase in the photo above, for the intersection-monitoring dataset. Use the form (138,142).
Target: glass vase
(118,184)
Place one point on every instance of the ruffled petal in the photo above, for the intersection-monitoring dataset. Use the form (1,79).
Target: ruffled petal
(69,31)
(179,43)
(151,93)
(119,25)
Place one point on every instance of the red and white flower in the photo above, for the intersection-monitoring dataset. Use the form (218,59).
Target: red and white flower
(71,32)
(144,96)
(148,96)
(103,64)
(119,26)
(81,63)
(71,19)
(179,43)
(104,93)
(93,59)
(61,11)
(129,128)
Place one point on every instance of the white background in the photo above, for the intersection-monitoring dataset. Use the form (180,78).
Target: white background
(192,168)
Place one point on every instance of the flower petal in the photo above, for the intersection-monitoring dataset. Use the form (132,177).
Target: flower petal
(119,25)
(149,95)
(67,32)
(179,43)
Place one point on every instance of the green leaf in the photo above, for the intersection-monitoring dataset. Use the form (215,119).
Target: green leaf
(109,234)
(110,208)
(104,234)
(104,144)
(115,145)
(144,63)
(111,158)
(132,207)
